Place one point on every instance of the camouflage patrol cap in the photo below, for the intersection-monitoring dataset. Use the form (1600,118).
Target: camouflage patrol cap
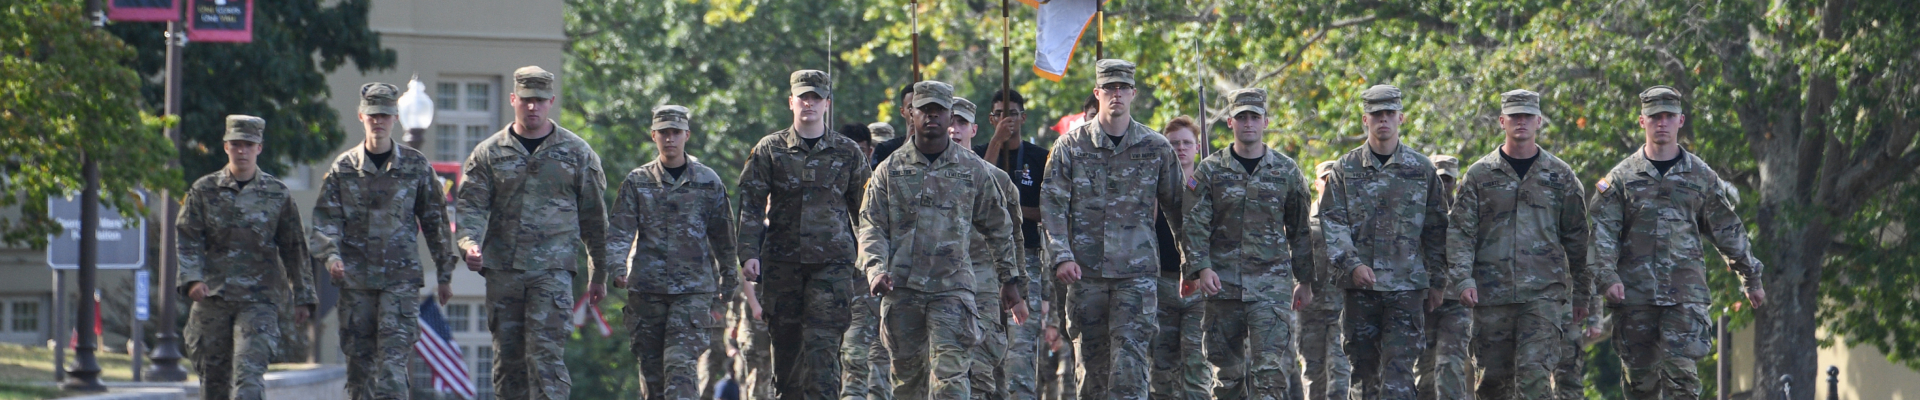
(964,109)
(932,92)
(244,127)
(379,98)
(1520,101)
(881,131)
(1113,70)
(670,117)
(532,82)
(810,80)
(1248,100)
(1659,99)
(1325,168)
(1446,165)
(1380,97)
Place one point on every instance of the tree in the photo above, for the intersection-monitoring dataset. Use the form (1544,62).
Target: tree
(66,94)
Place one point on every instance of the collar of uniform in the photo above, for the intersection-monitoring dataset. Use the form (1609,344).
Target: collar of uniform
(225,179)
(515,142)
(659,172)
(360,155)
(1500,163)
(1401,155)
(1267,160)
(794,141)
(1645,165)
(915,157)
(1103,141)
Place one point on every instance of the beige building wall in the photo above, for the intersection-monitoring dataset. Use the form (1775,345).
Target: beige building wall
(1865,373)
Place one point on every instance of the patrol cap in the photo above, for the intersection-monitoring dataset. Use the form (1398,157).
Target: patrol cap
(1248,100)
(244,127)
(1520,101)
(881,131)
(1380,97)
(670,117)
(1325,168)
(532,82)
(1113,70)
(932,92)
(1446,165)
(379,98)
(1659,99)
(811,80)
(964,109)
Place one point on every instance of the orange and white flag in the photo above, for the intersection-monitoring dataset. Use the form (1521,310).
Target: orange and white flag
(1061,24)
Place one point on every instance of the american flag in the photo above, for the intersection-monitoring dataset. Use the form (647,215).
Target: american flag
(442,355)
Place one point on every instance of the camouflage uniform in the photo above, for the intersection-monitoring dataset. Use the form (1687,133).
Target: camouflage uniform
(1321,349)
(1250,228)
(755,367)
(1390,217)
(246,244)
(527,211)
(1521,243)
(679,232)
(806,248)
(864,360)
(1180,369)
(1445,368)
(1026,342)
(986,376)
(366,218)
(929,316)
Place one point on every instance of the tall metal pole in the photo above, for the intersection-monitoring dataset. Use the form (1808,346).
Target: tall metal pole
(85,375)
(166,344)
(1099,29)
(913,15)
(1723,375)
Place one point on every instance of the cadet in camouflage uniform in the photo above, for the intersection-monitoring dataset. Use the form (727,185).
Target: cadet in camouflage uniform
(371,203)
(756,346)
(529,195)
(917,225)
(672,226)
(1247,242)
(1321,348)
(986,375)
(1180,369)
(1518,229)
(1384,217)
(1105,180)
(798,193)
(1445,368)
(1649,216)
(242,251)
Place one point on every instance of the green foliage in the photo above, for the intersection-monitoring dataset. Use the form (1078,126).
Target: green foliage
(65,94)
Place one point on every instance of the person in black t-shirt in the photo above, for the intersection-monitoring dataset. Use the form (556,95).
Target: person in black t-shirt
(886,148)
(1025,163)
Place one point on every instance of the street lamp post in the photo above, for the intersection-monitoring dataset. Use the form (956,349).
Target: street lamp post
(416,113)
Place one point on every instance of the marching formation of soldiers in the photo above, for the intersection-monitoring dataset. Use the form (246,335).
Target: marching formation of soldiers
(1113,266)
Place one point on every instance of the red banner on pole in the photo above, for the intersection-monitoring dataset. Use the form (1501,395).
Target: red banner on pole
(228,21)
(143,10)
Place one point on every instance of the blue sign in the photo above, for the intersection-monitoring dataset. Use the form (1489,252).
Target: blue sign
(141,292)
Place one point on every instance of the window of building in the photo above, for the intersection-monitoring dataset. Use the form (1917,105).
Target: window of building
(480,318)
(482,372)
(466,112)
(457,317)
(23,316)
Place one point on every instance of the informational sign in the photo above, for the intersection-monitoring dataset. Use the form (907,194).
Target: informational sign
(141,291)
(122,245)
(143,10)
(229,21)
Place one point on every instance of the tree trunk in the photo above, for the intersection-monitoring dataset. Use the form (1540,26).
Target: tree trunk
(1784,328)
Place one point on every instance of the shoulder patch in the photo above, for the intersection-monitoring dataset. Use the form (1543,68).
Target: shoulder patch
(1602,186)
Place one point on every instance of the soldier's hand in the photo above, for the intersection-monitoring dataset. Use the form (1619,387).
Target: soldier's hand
(595,291)
(1302,296)
(1758,296)
(1053,338)
(1470,297)
(1067,272)
(1363,277)
(1618,293)
(301,313)
(754,308)
(446,292)
(198,291)
(1434,297)
(751,269)
(336,269)
(1593,331)
(1580,312)
(473,260)
(1016,306)
(620,281)
(880,285)
(1208,282)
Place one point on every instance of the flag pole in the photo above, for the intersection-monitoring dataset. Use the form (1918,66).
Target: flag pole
(1006,83)
(913,14)
(1099,29)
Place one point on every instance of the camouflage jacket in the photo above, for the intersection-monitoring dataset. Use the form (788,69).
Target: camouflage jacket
(527,210)
(1513,239)
(988,280)
(1647,230)
(367,217)
(920,217)
(815,192)
(1099,198)
(245,243)
(1389,217)
(1250,229)
(1327,296)
(676,233)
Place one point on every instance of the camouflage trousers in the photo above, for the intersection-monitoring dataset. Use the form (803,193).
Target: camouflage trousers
(1446,368)
(1570,376)
(1660,346)
(985,376)
(929,335)
(377,331)
(1325,358)
(1026,343)
(807,310)
(716,363)
(864,363)
(669,333)
(527,314)
(1113,321)
(1180,370)
(231,343)
(1518,346)
(755,364)
(1250,345)
(1384,339)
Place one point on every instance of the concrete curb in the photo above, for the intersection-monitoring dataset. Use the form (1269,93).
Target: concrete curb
(326,378)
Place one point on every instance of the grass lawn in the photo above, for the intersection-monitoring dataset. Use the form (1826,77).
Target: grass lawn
(25,369)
